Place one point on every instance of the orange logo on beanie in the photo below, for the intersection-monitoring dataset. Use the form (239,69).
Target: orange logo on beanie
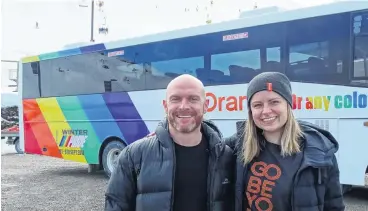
(269,86)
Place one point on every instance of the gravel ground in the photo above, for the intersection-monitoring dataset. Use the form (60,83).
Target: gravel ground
(31,182)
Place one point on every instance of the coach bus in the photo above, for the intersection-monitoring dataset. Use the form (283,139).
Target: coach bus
(86,104)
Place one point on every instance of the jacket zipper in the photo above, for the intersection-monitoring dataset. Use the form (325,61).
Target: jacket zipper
(296,179)
(212,168)
(209,180)
(173,178)
(293,190)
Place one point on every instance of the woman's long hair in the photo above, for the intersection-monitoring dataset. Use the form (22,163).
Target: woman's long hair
(289,139)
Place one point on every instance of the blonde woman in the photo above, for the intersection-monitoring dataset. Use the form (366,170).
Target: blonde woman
(283,164)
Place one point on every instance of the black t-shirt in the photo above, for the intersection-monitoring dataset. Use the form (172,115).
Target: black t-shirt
(190,190)
(269,180)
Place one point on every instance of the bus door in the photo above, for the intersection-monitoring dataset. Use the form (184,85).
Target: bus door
(353,128)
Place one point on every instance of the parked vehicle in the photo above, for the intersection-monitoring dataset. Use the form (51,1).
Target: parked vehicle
(10,120)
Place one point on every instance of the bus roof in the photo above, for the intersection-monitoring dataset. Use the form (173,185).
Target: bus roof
(287,15)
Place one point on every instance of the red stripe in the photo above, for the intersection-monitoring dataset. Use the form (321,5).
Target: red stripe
(67,141)
(40,128)
(30,145)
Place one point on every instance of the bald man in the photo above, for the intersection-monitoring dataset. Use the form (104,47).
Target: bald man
(183,166)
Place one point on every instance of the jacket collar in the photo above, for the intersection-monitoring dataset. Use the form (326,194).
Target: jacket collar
(319,145)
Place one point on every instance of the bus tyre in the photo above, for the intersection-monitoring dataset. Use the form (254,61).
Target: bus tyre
(110,156)
(17,146)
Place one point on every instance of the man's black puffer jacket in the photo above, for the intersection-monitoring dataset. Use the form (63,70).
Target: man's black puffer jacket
(144,177)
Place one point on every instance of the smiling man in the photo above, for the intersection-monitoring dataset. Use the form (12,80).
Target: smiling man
(184,165)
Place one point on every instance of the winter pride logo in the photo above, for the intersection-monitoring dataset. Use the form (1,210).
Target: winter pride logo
(354,100)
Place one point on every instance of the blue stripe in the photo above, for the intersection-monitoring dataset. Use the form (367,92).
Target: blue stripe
(99,116)
(92,48)
(124,112)
(62,141)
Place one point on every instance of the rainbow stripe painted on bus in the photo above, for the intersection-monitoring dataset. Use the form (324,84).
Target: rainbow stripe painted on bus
(49,122)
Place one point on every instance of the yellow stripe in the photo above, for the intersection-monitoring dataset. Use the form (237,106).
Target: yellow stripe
(56,121)
(30,59)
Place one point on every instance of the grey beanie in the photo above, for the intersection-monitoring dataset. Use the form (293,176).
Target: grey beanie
(273,81)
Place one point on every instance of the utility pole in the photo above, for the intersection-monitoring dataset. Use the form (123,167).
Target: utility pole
(92,17)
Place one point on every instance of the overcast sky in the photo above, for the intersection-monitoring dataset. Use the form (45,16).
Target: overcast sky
(63,22)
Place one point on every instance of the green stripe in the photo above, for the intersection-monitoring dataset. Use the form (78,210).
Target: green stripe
(78,120)
(48,56)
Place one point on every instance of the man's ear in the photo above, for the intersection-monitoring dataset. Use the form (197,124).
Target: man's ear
(206,103)
(164,103)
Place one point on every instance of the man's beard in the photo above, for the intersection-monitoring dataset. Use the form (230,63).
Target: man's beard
(173,121)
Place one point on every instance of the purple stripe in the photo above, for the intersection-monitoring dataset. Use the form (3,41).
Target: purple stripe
(126,115)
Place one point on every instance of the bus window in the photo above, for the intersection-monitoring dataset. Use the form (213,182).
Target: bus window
(274,54)
(70,76)
(361,59)
(162,72)
(308,60)
(249,52)
(318,49)
(30,80)
(124,75)
(360,65)
(235,67)
(90,74)
(273,60)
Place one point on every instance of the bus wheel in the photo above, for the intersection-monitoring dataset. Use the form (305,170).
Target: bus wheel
(110,156)
(17,146)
